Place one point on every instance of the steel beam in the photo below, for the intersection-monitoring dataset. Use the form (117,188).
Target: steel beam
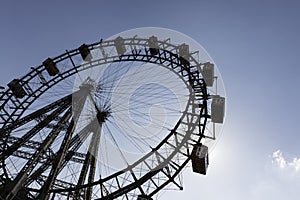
(19,181)
(26,137)
(79,100)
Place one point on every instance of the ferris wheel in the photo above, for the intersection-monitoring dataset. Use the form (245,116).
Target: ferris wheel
(120,118)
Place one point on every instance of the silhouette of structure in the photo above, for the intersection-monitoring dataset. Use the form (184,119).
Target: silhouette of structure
(41,144)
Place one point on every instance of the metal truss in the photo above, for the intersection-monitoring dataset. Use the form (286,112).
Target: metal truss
(147,176)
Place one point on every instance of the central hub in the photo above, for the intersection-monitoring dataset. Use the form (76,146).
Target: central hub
(102,116)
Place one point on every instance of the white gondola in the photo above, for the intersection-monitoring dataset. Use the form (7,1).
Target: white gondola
(217,109)
(208,73)
(199,159)
(120,46)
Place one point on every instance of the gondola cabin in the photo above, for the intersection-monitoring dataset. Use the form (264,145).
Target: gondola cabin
(120,46)
(17,88)
(217,109)
(153,45)
(199,159)
(208,73)
(85,53)
(50,66)
(184,54)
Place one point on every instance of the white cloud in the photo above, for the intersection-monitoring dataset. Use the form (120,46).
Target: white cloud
(295,164)
(279,160)
(280,178)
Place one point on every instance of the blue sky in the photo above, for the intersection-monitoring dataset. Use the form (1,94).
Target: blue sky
(255,45)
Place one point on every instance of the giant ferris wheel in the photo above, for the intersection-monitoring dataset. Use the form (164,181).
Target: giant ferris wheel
(117,119)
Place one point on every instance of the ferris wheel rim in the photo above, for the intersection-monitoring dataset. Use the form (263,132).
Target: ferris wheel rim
(69,54)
